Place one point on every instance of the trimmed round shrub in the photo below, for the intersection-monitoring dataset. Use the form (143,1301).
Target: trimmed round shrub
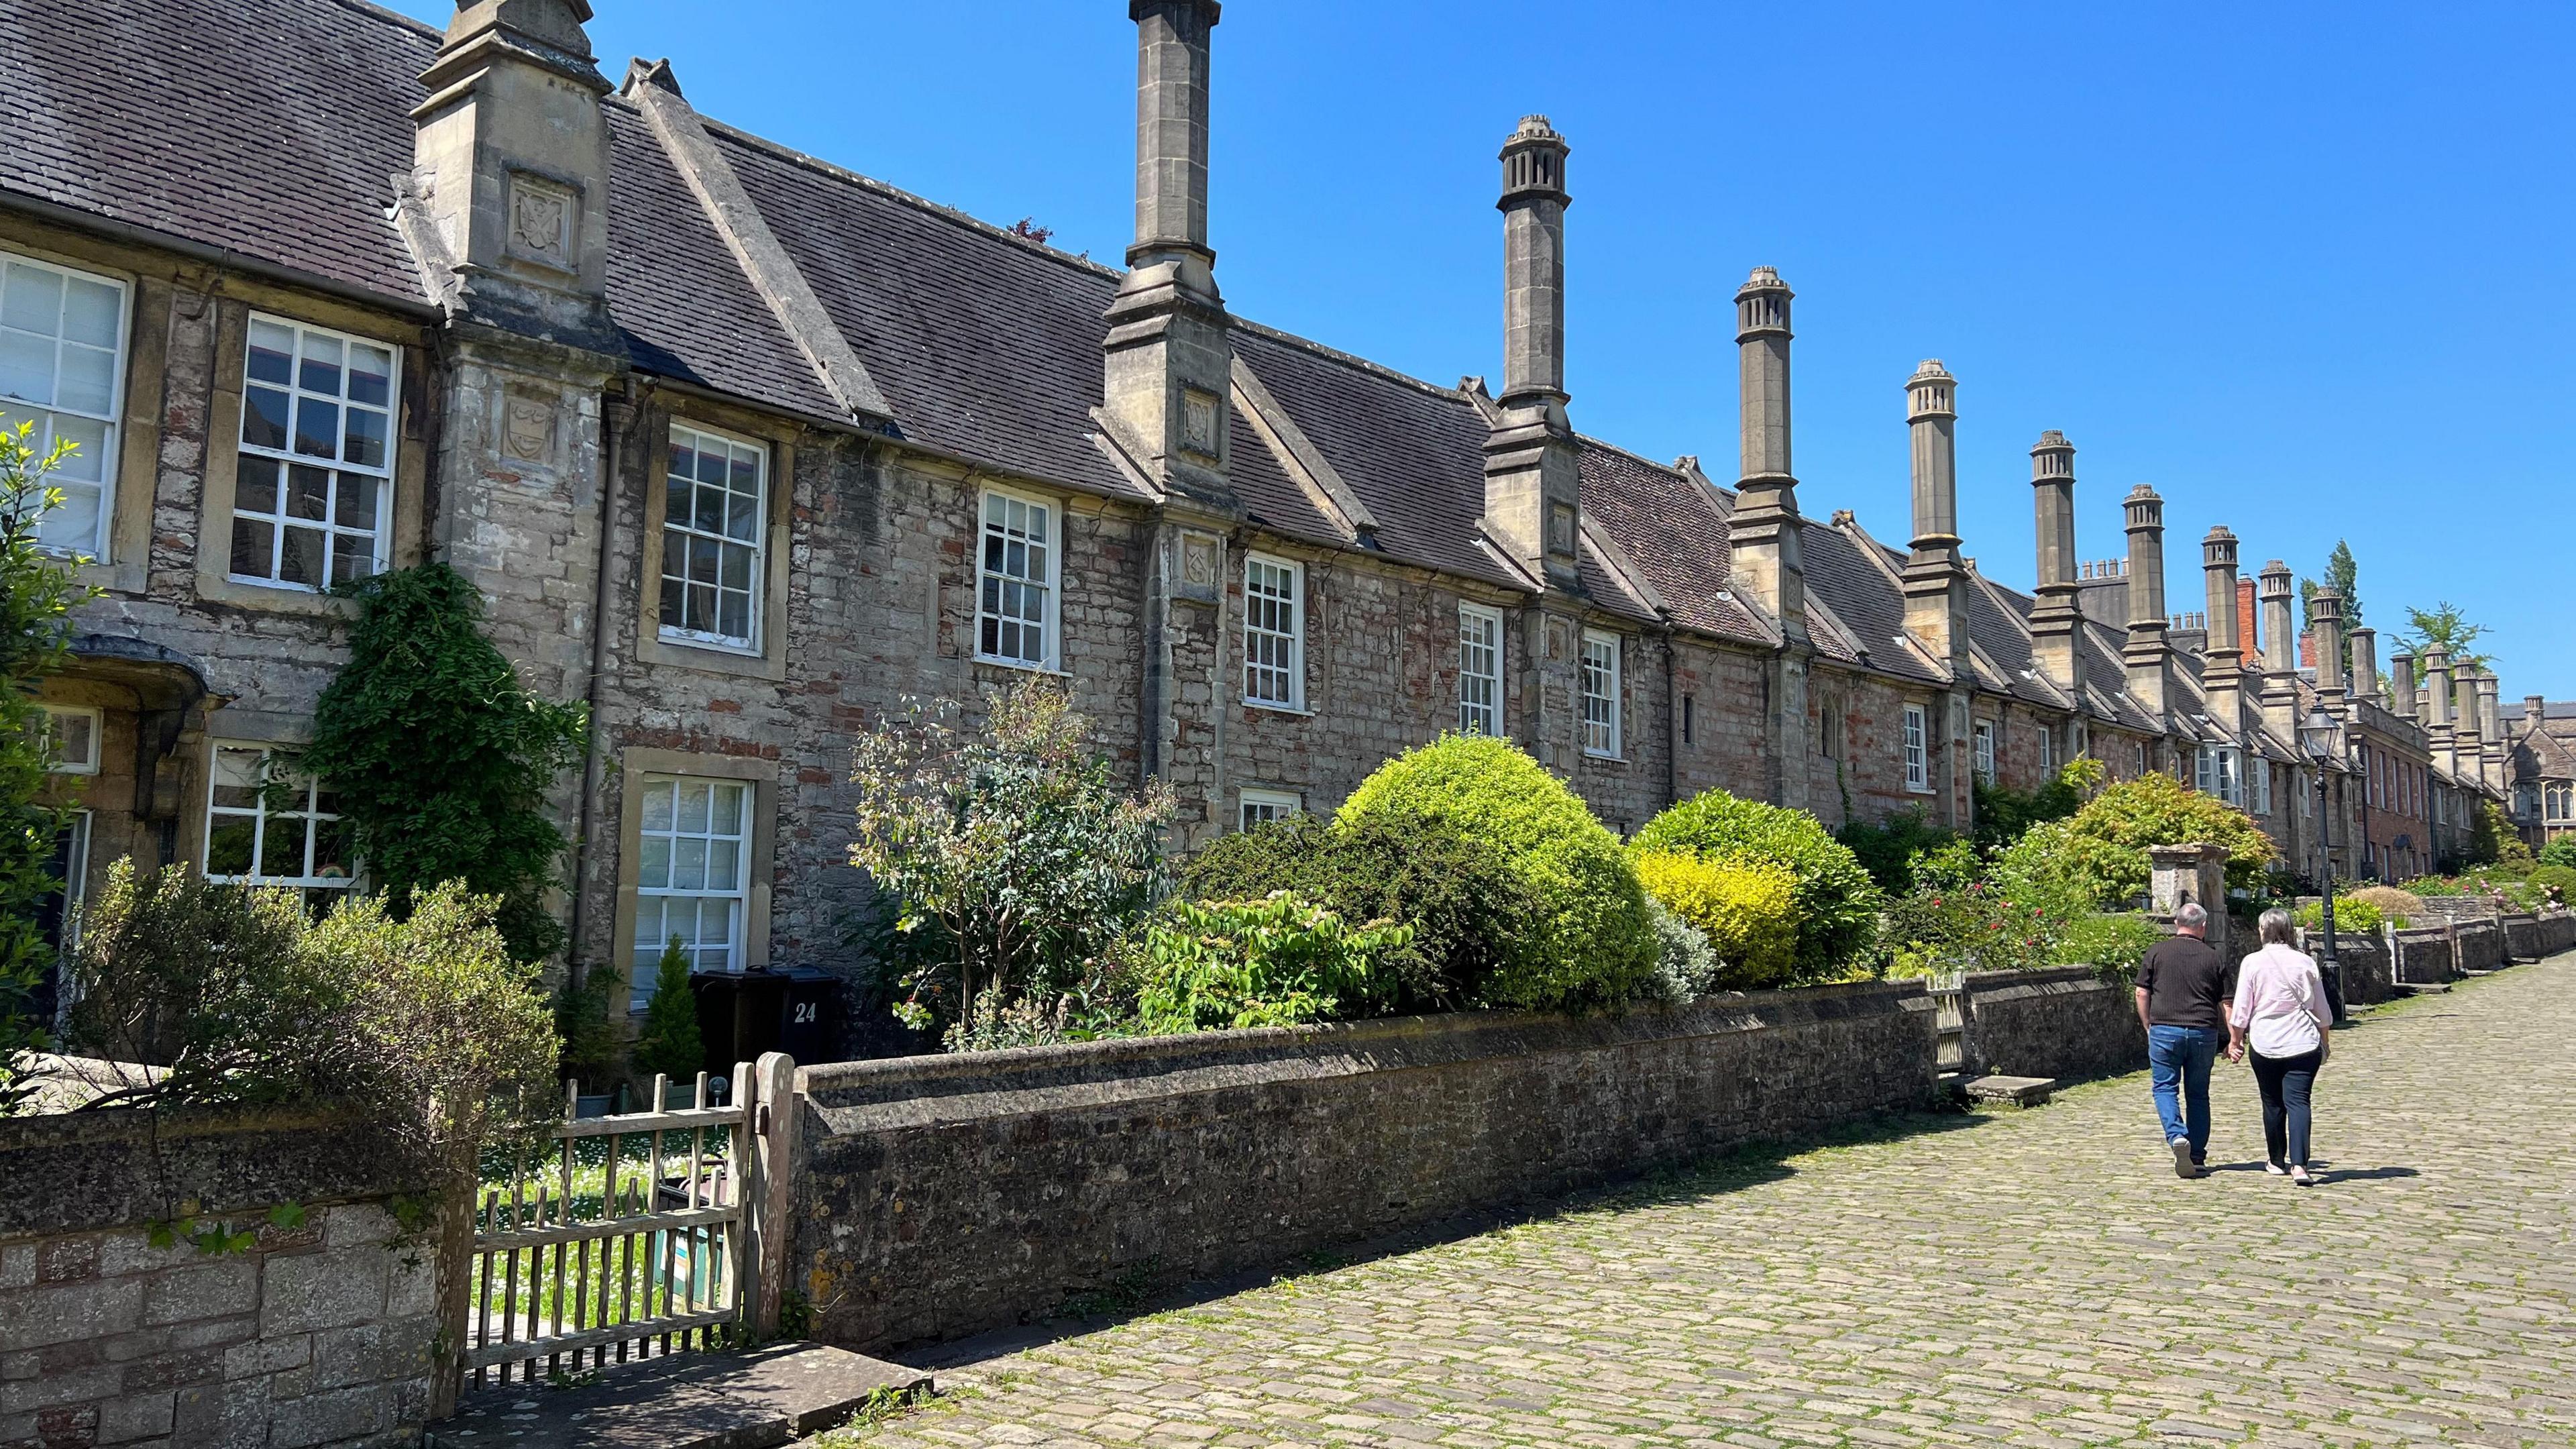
(2102,849)
(1746,909)
(2353,916)
(2561,851)
(2563,877)
(1452,888)
(2402,908)
(2113,944)
(1836,902)
(1585,938)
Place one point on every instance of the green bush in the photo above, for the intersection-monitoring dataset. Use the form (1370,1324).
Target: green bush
(1685,968)
(1452,888)
(2112,943)
(2399,908)
(2561,878)
(2561,851)
(1962,916)
(2352,916)
(2005,815)
(1746,911)
(1273,962)
(670,1043)
(2101,850)
(1586,939)
(1887,850)
(1837,903)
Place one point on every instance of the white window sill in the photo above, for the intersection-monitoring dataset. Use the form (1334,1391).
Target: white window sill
(1292,709)
(1606,757)
(1912,789)
(740,649)
(1023,666)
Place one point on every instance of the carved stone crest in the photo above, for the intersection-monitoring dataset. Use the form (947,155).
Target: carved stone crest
(528,428)
(1198,422)
(540,220)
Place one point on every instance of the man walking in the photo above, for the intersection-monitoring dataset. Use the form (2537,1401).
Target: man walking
(2185,992)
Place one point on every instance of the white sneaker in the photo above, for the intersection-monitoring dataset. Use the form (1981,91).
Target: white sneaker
(2183,1167)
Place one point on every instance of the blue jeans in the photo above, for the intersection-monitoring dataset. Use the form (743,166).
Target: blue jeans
(2179,1057)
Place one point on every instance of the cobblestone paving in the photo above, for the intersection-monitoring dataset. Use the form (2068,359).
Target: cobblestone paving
(2037,1278)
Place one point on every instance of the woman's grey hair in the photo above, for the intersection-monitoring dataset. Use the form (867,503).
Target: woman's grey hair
(2275,926)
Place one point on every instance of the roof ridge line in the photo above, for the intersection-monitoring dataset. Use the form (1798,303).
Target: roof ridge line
(1331,353)
(838,172)
(1631,454)
(381,12)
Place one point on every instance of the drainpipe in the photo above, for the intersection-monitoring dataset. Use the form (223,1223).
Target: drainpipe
(1672,728)
(617,419)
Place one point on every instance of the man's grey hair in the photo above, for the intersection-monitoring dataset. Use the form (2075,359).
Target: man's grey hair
(2192,917)
(2275,926)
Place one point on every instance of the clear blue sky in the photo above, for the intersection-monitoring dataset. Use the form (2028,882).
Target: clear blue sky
(2305,270)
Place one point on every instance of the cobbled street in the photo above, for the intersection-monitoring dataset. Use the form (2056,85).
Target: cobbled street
(2038,1278)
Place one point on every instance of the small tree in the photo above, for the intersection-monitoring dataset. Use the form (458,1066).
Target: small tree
(2445,626)
(37,595)
(2100,852)
(441,759)
(1006,864)
(671,1043)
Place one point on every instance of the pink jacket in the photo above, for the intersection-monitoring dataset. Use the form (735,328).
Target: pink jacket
(2281,1002)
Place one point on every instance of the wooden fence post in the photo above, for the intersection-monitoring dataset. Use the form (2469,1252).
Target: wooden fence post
(772,1188)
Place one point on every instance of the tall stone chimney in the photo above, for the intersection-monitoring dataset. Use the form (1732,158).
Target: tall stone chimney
(506,206)
(2437,706)
(2222,675)
(1168,362)
(2401,684)
(2365,664)
(2280,663)
(1532,494)
(2535,708)
(1936,592)
(2058,618)
(2467,734)
(2325,620)
(2148,656)
(2491,753)
(1766,535)
(1766,532)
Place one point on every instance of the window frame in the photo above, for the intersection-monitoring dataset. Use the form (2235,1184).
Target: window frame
(1985,746)
(2048,751)
(1281,803)
(2558,802)
(111,435)
(756,610)
(1492,618)
(738,912)
(97,718)
(276,770)
(2258,773)
(1615,727)
(1915,748)
(1293,597)
(277,518)
(1051,625)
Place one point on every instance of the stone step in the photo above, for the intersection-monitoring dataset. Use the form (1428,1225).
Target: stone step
(2012,1091)
(2424,988)
(751,1400)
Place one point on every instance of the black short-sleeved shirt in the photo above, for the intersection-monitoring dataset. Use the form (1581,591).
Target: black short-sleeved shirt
(2185,981)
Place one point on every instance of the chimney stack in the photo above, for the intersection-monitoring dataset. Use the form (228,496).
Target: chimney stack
(2401,685)
(2535,708)
(2222,672)
(1532,494)
(2325,618)
(2365,663)
(2058,618)
(2465,731)
(1766,532)
(2491,729)
(2147,654)
(1168,362)
(2280,665)
(1936,599)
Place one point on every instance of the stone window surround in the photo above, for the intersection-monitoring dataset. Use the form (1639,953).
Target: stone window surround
(1300,626)
(653,430)
(1987,746)
(1617,696)
(1917,748)
(230,734)
(223,454)
(1281,804)
(119,406)
(1492,618)
(97,718)
(635,762)
(1059,527)
(285,456)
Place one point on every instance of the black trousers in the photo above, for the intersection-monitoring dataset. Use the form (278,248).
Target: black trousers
(2286,1084)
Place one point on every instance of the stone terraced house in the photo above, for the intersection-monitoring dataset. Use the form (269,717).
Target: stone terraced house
(745,449)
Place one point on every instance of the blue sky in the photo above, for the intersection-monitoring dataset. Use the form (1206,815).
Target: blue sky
(2306,270)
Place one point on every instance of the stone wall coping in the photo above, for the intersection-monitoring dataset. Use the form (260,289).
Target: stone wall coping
(125,1166)
(865,1096)
(2046,976)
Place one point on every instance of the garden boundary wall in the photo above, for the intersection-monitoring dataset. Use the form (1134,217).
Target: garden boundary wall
(941,1196)
(316,1332)
(2068,1024)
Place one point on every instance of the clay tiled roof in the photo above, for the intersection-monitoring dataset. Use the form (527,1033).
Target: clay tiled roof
(1674,528)
(1861,595)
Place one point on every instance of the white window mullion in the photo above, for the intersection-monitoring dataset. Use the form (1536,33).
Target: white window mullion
(1480,670)
(1274,628)
(1918,761)
(1016,610)
(313,481)
(715,509)
(1601,694)
(62,368)
(692,874)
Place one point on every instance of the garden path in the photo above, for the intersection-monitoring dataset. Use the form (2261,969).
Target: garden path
(2036,1278)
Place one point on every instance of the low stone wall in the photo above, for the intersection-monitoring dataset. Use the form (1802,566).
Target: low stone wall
(2480,944)
(2530,937)
(316,1333)
(2067,1024)
(2424,956)
(939,1196)
(2369,977)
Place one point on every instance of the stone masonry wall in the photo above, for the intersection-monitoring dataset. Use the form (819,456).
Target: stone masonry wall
(2066,1024)
(317,1335)
(939,1196)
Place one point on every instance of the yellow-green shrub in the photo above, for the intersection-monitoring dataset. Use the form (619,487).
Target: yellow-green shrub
(1746,908)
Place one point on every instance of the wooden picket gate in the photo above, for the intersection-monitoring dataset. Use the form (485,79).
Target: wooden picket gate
(643,1234)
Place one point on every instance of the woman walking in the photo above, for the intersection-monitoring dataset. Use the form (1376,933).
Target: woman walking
(2281,1017)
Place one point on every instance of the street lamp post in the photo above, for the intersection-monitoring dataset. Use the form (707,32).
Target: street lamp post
(2317,733)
